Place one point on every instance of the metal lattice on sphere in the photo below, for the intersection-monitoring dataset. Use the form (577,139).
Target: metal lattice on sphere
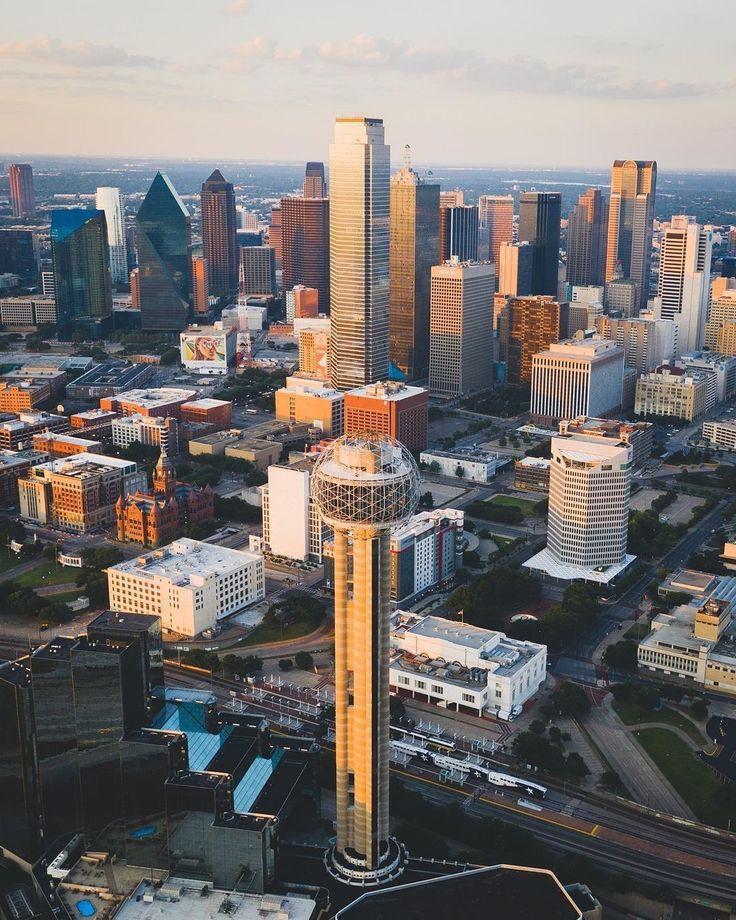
(365,479)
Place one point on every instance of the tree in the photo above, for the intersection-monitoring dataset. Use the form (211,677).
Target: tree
(575,766)
(286,664)
(538,752)
(622,656)
(537,727)
(396,708)
(459,472)
(426,500)
(304,661)
(434,467)
(571,700)
(699,709)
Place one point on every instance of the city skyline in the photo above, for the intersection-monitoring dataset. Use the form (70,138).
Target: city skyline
(90,90)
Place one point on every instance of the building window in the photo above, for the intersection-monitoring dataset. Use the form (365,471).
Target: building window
(436,688)
(468,698)
(420,684)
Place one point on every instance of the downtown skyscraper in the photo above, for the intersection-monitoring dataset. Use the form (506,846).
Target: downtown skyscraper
(630,217)
(314,185)
(684,279)
(219,224)
(305,245)
(539,223)
(81,271)
(458,233)
(22,194)
(359,252)
(108,200)
(164,243)
(496,214)
(414,241)
(587,230)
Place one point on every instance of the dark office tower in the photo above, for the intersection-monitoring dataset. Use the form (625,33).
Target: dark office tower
(526,326)
(587,230)
(539,223)
(164,243)
(459,233)
(732,241)
(19,254)
(218,235)
(305,245)
(22,194)
(413,245)
(20,829)
(630,219)
(121,629)
(81,271)
(274,234)
(314,181)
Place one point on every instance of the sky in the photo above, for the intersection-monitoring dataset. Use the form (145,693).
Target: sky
(469,82)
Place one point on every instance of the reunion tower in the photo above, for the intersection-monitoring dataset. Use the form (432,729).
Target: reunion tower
(363,486)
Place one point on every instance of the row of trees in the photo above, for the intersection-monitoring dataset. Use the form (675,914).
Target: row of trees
(487,599)
(573,616)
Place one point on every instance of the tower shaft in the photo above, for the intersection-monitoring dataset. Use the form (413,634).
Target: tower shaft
(361,691)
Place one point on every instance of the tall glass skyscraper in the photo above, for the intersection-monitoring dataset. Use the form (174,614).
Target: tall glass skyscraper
(108,200)
(359,247)
(219,223)
(586,239)
(22,193)
(414,242)
(539,223)
(458,233)
(81,271)
(164,242)
(630,218)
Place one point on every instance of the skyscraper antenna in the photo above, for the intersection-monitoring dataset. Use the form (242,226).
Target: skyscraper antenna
(407,156)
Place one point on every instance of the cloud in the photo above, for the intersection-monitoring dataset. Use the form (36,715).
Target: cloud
(517,74)
(237,7)
(51,51)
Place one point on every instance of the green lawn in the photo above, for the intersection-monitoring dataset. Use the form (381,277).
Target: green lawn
(511,501)
(695,782)
(500,540)
(262,635)
(47,573)
(631,714)
(64,596)
(8,560)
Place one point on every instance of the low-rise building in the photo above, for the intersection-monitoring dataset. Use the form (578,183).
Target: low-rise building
(94,421)
(465,463)
(54,376)
(720,434)
(16,433)
(256,451)
(208,411)
(208,349)
(390,408)
(189,584)
(719,370)
(64,445)
(461,667)
(13,464)
(670,391)
(639,435)
(425,553)
(78,493)
(27,311)
(160,401)
(23,395)
(696,641)
(531,474)
(151,430)
(308,401)
(109,379)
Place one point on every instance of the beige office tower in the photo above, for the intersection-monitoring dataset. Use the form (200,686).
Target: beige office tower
(720,330)
(630,218)
(454,198)
(359,249)
(363,486)
(496,212)
(461,328)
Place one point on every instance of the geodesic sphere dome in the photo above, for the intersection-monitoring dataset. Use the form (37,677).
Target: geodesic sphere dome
(365,479)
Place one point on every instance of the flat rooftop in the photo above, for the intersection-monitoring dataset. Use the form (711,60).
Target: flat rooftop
(114,620)
(10,458)
(503,892)
(185,559)
(184,899)
(206,403)
(389,391)
(158,396)
(547,564)
(87,463)
(113,373)
(471,455)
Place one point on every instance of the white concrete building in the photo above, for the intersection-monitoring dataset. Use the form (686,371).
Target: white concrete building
(425,552)
(152,430)
(582,376)
(719,370)
(463,668)
(684,278)
(476,465)
(586,293)
(189,584)
(292,524)
(670,391)
(587,525)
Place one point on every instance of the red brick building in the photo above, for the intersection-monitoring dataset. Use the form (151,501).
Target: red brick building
(215,412)
(389,408)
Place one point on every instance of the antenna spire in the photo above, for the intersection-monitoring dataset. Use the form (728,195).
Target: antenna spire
(407,156)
